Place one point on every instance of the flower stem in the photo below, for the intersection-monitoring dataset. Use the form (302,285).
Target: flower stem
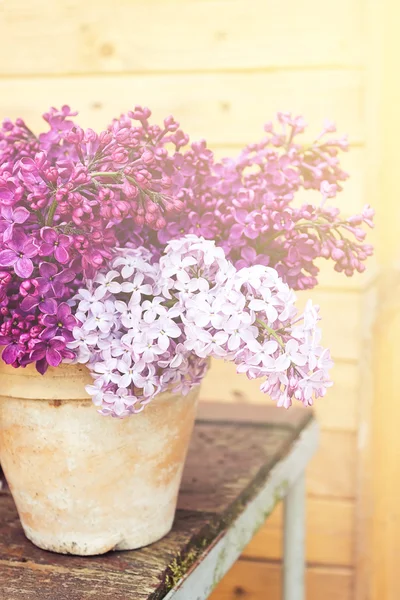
(105,173)
(271,332)
(51,213)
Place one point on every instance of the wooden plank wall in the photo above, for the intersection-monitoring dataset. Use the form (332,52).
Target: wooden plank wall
(224,67)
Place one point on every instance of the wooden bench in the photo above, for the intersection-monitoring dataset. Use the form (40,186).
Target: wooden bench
(243,459)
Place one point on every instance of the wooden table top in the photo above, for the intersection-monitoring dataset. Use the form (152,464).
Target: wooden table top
(233,449)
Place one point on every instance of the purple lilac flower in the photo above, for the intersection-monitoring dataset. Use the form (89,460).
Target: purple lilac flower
(49,352)
(45,304)
(50,277)
(11,217)
(249,257)
(20,250)
(59,324)
(5,278)
(55,244)
(202,224)
(12,352)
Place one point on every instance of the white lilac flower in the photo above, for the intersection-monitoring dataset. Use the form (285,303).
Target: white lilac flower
(239,334)
(96,391)
(106,283)
(138,288)
(211,344)
(292,354)
(148,350)
(153,309)
(263,353)
(86,299)
(121,402)
(82,344)
(147,327)
(106,369)
(203,310)
(100,318)
(266,304)
(163,329)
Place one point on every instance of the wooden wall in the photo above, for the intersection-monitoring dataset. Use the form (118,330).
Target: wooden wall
(224,67)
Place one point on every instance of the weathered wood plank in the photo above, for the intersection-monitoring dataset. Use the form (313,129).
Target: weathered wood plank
(225,459)
(222,108)
(143,36)
(216,456)
(28,571)
(208,571)
(261,580)
(332,471)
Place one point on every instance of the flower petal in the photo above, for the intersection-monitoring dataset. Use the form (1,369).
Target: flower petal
(20,215)
(42,366)
(38,352)
(29,302)
(30,249)
(49,333)
(23,267)
(10,353)
(47,270)
(49,235)
(63,311)
(7,258)
(53,357)
(48,306)
(61,254)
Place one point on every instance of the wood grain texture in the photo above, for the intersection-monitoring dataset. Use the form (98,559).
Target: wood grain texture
(337,411)
(379,523)
(329,535)
(332,472)
(223,108)
(27,571)
(261,580)
(222,474)
(218,35)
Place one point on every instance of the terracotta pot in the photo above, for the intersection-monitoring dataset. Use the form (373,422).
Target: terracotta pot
(82,483)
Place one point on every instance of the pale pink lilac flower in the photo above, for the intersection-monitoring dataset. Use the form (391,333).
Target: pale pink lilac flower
(139,348)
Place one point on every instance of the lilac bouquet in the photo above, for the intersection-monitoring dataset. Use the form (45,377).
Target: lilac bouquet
(142,257)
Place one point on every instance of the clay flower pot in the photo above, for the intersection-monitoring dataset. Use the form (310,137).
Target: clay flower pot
(82,483)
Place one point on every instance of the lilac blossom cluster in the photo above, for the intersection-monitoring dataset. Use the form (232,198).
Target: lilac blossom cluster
(69,197)
(247,204)
(147,327)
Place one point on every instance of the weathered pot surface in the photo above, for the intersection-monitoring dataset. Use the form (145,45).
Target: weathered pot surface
(86,484)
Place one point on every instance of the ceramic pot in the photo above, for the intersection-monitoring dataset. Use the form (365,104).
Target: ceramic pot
(82,483)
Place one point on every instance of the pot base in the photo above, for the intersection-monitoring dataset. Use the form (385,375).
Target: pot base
(79,545)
